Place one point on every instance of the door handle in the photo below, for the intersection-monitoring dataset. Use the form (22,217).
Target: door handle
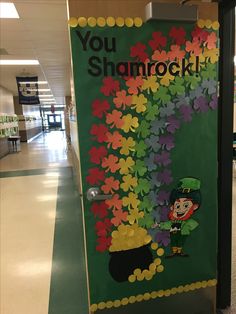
(94,194)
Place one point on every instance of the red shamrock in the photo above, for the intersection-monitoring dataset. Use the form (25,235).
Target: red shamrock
(95,176)
(103,244)
(99,108)
(178,35)
(99,131)
(99,209)
(158,41)
(103,227)
(97,154)
(110,86)
(138,51)
(199,34)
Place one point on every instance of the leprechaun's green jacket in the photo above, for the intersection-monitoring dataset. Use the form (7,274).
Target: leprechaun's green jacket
(186,225)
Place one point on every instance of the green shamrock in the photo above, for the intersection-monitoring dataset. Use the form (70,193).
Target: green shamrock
(152,111)
(140,149)
(146,204)
(177,86)
(143,186)
(209,72)
(162,95)
(143,129)
(139,168)
(192,81)
(147,221)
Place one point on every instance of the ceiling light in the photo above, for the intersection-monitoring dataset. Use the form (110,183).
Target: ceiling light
(44,90)
(19,62)
(38,82)
(46,99)
(8,11)
(49,95)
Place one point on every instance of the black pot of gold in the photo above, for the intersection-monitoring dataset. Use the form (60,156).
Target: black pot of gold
(129,251)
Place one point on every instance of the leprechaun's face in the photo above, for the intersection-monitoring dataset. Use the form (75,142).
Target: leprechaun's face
(183,208)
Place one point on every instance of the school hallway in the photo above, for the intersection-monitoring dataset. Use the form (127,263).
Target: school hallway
(41,243)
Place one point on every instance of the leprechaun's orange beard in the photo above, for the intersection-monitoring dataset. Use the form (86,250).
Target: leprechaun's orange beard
(173,216)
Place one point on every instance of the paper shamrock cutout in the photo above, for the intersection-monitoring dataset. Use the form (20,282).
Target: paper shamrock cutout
(178,35)
(138,51)
(122,100)
(134,84)
(99,108)
(99,209)
(139,103)
(114,139)
(95,176)
(126,165)
(97,154)
(99,131)
(129,183)
(114,203)
(114,119)
(119,217)
(158,41)
(110,86)
(127,145)
(131,201)
(110,185)
(130,123)
(110,163)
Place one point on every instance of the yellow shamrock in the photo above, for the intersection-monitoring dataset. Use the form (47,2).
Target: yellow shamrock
(126,165)
(127,145)
(150,83)
(131,201)
(129,123)
(129,183)
(166,79)
(134,215)
(139,103)
(211,54)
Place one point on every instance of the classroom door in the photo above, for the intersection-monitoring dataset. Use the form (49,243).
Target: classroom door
(146,98)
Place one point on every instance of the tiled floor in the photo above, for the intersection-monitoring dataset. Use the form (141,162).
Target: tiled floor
(41,265)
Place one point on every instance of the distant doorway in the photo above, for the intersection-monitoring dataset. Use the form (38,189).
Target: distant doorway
(54,121)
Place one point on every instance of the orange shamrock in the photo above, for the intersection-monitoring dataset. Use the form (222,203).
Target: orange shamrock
(176,53)
(119,216)
(193,47)
(114,202)
(110,163)
(114,139)
(114,119)
(211,40)
(160,56)
(122,100)
(110,185)
(134,84)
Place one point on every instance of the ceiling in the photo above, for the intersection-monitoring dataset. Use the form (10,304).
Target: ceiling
(40,33)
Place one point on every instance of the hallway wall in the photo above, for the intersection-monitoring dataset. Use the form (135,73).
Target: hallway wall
(6,101)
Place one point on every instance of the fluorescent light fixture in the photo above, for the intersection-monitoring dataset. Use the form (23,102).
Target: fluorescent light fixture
(49,95)
(46,99)
(49,103)
(8,11)
(19,62)
(44,90)
(39,82)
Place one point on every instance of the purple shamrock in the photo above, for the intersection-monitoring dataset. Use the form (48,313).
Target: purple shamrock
(153,142)
(186,112)
(165,176)
(163,158)
(156,214)
(163,197)
(173,124)
(201,104)
(149,162)
(164,213)
(214,102)
(163,238)
(167,141)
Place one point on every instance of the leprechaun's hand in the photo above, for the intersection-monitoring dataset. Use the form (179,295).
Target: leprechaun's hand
(155,225)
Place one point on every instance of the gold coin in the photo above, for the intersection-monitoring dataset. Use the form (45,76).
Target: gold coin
(152,267)
(204,284)
(138,22)
(146,296)
(109,304)
(129,22)
(198,285)
(140,277)
(180,289)
(160,268)
(147,239)
(173,290)
(160,293)
(117,303)
(137,271)
(132,299)
(82,21)
(101,305)
(200,23)
(101,21)
(139,297)
(167,293)
(215,25)
(93,307)
(154,246)
(73,22)
(92,21)
(160,252)
(124,301)
(157,261)
(186,288)
(111,21)
(120,21)
(154,294)
(132,278)
(208,23)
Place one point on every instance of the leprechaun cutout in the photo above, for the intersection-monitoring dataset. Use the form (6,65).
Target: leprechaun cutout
(185,199)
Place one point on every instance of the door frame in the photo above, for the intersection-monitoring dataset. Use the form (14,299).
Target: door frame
(225,150)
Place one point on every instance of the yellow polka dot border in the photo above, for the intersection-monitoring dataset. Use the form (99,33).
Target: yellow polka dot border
(208,24)
(108,21)
(154,294)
